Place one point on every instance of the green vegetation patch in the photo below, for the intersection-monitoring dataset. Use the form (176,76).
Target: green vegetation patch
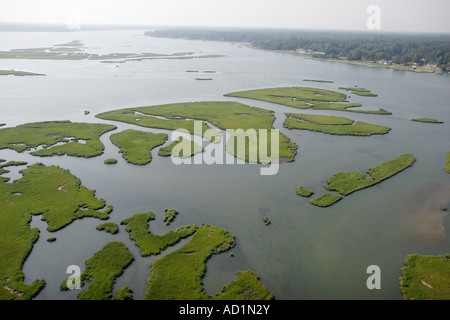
(326,200)
(19,73)
(427,120)
(124,293)
(359,91)
(56,138)
(110,227)
(52,192)
(101,271)
(332,125)
(150,244)
(305,98)
(348,182)
(426,277)
(136,146)
(304,192)
(224,115)
(447,163)
(313,80)
(179,147)
(178,275)
(170,215)
(110,161)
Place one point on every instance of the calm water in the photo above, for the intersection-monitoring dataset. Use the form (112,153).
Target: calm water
(306,252)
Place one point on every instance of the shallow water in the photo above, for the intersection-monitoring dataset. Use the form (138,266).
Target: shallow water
(306,252)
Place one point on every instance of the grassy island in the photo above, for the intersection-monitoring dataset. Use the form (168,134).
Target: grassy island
(332,125)
(110,161)
(187,265)
(101,271)
(224,115)
(323,81)
(56,138)
(305,98)
(180,147)
(426,277)
(52,192)
(150,244)
(136,146)
(110,227)
(302,192)
(359,91)
(447,163)
(427,120)
(19,73)
(348,182)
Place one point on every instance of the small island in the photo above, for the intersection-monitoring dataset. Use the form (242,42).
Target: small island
(332,125)
(109,227)
(19,73)
(427,120)
(346,183)
(305,98)
(136,146)
(359,91)
(170,215)
(302,192)
(110,161)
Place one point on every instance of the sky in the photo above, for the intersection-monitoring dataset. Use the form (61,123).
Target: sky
(382,15)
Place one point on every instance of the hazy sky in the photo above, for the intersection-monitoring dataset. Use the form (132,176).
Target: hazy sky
(395,15)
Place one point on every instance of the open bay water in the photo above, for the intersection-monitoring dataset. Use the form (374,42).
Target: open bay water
(306,252)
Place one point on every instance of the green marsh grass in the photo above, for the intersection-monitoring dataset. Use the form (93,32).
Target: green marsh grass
(426,277)
(51,192)
(150,244)
(136,146)
(332,125)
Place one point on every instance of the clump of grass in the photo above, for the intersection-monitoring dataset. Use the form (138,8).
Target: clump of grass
(326,200)
(304,192)
(110,161)
(86,112)
(170,215)
(443,208)
(110,227)
(51,239)
(124,293)
(266,220)
(426,277)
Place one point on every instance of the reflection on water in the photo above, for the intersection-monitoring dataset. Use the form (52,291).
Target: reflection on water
(306,252)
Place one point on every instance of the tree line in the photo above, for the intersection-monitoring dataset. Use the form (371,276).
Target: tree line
(399,48)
